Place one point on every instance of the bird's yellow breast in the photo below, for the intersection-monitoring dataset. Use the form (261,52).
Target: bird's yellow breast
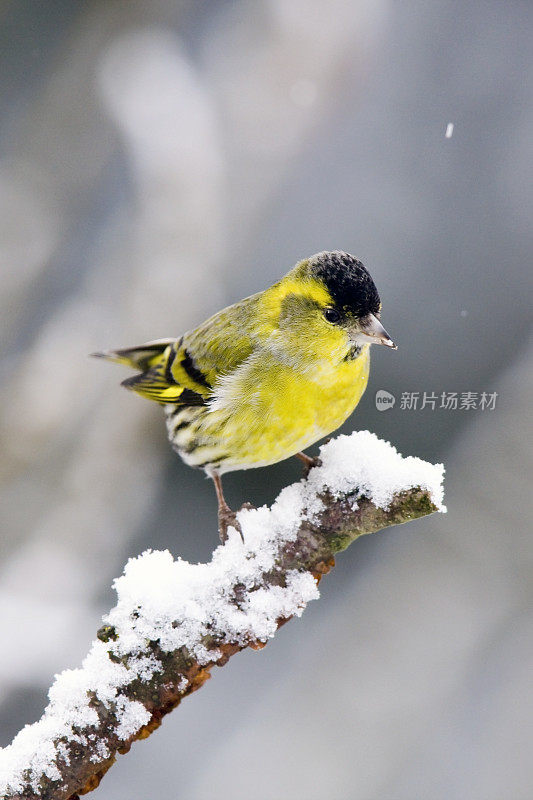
(270,410)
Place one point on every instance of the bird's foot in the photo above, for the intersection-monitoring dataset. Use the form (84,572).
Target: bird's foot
(228,519)
(308,462)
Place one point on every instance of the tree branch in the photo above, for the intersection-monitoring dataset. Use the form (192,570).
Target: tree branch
(174,621)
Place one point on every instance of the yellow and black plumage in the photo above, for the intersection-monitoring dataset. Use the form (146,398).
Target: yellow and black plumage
(268,376)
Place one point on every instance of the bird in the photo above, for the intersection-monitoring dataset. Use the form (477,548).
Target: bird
(268,376)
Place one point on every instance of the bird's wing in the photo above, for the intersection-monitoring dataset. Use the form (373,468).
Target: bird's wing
(218,346)
(184,371)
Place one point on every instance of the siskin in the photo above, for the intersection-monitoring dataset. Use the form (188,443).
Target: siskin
(268,376)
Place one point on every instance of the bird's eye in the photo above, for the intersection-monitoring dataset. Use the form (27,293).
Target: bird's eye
(331,314)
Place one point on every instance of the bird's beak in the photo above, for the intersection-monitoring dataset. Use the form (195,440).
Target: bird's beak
(371,330)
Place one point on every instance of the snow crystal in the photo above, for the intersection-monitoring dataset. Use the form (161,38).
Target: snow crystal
(367,465)
(131,716)
(449,130)
(179,604)
(183,605)
(101,750)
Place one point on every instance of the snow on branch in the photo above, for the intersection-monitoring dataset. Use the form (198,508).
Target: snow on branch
(174,621)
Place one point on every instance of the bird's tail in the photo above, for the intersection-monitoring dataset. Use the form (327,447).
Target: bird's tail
(155,381)
(142,357)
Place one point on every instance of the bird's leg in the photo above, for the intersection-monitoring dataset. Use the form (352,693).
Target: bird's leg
(308,462)
(226,516)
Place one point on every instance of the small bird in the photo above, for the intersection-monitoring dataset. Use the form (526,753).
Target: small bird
(268,376)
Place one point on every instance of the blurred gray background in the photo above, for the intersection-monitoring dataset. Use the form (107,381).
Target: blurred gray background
(160,160)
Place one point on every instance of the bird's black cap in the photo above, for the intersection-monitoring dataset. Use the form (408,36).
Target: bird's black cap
(347,281)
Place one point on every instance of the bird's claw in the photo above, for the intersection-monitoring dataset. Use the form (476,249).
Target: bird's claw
(315,462)
(228,519)
(308,462)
